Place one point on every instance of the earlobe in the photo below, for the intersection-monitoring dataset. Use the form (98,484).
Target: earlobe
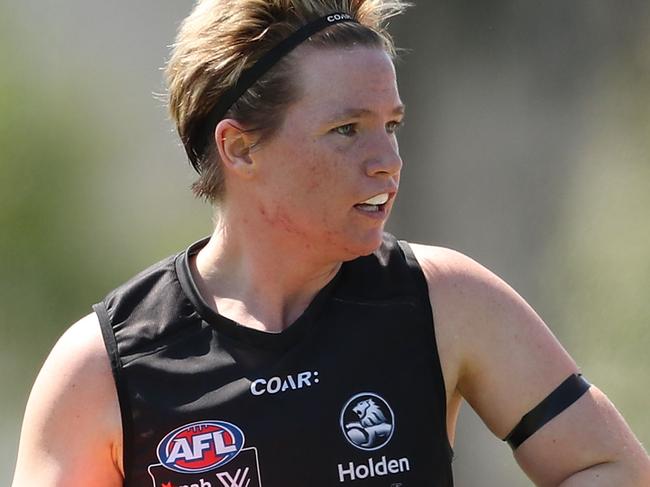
(234,144)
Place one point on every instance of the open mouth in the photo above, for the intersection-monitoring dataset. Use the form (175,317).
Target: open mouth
(375,204)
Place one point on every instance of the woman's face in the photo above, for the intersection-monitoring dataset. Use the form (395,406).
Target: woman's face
(328,177)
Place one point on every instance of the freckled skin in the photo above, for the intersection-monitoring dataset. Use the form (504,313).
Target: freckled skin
(311,177)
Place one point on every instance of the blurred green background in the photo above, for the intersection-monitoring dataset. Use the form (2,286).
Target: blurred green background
(527,146)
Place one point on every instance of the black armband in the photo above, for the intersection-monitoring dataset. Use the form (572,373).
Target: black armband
(557,401)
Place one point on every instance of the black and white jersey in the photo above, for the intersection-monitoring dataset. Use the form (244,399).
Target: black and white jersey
(351,393)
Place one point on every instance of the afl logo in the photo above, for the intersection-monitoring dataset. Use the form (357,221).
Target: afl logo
(200,447)
(367,421)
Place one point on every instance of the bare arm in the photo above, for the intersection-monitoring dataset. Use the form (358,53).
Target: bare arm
(72,429)
(500,356)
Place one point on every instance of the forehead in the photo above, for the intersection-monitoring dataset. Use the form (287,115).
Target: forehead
(333,79)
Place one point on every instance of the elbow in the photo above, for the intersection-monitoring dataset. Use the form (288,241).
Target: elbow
(625,472)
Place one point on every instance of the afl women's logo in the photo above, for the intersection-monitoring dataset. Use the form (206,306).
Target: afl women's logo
(367,421)
(200,447)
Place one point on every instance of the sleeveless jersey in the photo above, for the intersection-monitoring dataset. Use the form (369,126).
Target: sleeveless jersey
(351,393)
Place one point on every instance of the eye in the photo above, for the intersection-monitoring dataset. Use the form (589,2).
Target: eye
(348,130)
(394,126)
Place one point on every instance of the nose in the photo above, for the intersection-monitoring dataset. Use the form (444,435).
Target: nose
(385,159)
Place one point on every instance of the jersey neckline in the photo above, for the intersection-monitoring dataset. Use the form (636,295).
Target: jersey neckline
(259,338)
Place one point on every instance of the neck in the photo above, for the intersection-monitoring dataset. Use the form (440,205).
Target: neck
(264,281)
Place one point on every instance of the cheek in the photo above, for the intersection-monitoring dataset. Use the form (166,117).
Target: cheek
(320,178)
(307,185)
(318,172)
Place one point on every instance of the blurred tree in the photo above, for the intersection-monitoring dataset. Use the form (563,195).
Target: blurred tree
(600,278)
(47,139)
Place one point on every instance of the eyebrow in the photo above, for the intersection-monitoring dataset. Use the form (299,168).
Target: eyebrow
(362,112)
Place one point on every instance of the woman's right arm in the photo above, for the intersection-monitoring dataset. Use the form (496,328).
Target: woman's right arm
(72,430)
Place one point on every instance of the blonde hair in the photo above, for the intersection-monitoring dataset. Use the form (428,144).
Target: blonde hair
(222,38)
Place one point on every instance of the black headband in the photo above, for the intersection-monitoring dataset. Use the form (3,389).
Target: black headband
(254,73)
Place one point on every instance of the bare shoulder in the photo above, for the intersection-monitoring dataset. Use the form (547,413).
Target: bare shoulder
(499,355)
(72,429)
(499,343)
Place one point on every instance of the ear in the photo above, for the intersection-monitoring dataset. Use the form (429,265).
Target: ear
(234,144)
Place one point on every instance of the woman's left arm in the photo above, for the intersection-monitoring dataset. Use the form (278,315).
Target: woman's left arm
(508,362)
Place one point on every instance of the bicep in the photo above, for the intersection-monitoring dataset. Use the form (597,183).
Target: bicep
(71,424)
(511,360)
(496,351)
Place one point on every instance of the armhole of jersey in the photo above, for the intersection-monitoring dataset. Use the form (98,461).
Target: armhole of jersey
(423,290)
(120,384)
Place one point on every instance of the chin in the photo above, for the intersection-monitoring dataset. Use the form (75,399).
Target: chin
(365,244)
